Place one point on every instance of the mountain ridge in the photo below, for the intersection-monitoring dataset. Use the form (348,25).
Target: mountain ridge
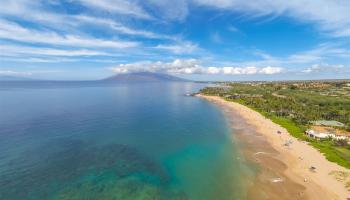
(14,78)
(144,77)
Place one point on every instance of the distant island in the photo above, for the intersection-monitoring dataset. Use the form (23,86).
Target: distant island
(14,78)
(134,77)
(144,77)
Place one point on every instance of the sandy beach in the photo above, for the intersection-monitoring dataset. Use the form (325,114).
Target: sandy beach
(284,170)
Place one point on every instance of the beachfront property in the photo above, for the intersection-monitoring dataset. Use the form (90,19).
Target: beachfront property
(323,129)
(323,133)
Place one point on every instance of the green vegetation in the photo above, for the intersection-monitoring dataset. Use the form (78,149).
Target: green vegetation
(340,155)
(341,176)
(294,104)
(347,185)
(292,128)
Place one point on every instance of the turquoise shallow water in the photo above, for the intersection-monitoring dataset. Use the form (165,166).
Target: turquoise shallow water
(140,141)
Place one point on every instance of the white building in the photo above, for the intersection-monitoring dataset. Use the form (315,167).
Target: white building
(324,135)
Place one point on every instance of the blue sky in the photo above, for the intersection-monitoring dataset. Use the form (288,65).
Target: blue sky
(196,39)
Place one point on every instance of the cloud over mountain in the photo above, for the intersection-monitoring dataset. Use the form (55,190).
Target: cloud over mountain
(190,66)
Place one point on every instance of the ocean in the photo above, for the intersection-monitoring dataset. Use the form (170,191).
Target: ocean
(83,140)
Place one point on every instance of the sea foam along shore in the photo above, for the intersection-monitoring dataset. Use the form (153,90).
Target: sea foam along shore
(298,156)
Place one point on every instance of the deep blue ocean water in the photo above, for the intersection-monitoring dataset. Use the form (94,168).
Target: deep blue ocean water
(80,140)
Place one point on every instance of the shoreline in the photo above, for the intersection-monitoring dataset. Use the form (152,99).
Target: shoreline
(283,169)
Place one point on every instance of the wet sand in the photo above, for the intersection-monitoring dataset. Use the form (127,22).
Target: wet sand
(283,171)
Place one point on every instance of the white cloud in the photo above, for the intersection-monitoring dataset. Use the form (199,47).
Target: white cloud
(271,70)
(120,27)
(233,29)
(13,31)
(316,68)
(240,70)
(330,16)
(64,34)
(178,66)
(191,66)
(33,12)
(322,53)
(170,9)
(15,50)
(51,59)
(118,7)
(19,6)
(179,48)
